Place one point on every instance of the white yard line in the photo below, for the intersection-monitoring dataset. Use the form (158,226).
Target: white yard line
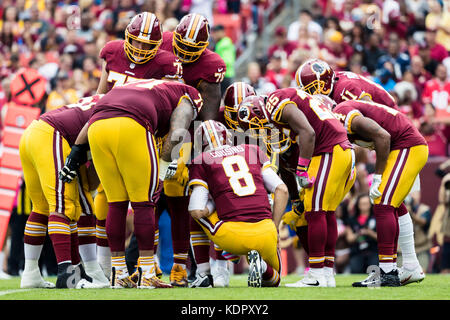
(5,292)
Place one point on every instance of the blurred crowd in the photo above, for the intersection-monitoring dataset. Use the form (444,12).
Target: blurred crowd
(402,45)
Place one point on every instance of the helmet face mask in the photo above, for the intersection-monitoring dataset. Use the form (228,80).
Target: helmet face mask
(144,28)
(233,96)
(191,37)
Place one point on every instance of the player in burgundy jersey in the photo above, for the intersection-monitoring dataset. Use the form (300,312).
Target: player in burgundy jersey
(324,169)
(122,132)
(317,77)
(58,206)
(204,70)
(139,56)
(237,179)
(401,153)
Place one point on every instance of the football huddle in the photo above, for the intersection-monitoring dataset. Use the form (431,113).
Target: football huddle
(227,169)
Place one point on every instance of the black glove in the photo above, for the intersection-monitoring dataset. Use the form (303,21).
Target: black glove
(77,157)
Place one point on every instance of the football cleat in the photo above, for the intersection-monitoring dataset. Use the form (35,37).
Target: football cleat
(202,280)
(148,280)
(409,276)
(309,281)
(33,279)
(94,270)
(254,269)
(330,280)
(178,276)
(84,284)
(382,279)
(373,280)
(221,277)
(120,279)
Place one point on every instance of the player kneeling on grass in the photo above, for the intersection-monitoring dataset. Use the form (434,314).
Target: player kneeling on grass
(235,180)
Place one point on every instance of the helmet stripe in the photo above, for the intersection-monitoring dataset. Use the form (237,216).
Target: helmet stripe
(193,27)
(211,134)
(240,93)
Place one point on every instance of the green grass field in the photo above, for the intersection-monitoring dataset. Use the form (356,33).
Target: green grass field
(434,287)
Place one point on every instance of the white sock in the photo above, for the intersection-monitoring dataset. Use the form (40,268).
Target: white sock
(387,266)
(31,265)
(317,272)
(263,266)
(222,264)
(406,241)
(328,272)
(104,257)
(204,268)
(32,252)
(88,252)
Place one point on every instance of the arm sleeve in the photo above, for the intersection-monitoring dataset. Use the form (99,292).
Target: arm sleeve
(198,199)
(271,180)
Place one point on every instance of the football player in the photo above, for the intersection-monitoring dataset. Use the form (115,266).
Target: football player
(204,70)
(57,206)
(401,153)
(233,96)
(121,135)
(139,56)
(317,77)
(323,172)
(237,180)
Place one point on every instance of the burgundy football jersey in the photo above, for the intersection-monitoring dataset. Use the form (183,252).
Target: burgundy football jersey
(403,133)
(352,86)
(328,129)
(70,119)
(149,102)
(210,67)
(234,180)
(121,70)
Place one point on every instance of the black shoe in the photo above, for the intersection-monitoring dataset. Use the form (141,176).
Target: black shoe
(373,280)
(202,280)
(390,279)
(254,269)
(66,277)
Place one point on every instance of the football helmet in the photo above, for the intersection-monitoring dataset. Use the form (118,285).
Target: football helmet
(252,116)
(145,28)
(326,101)
(234,95)
(315,76)
(211,135)
(191,37)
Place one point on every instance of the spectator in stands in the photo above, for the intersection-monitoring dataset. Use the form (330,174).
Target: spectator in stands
(438,19)
(281,44)
(433,132)
(305,19)
(437,93)
(275,71)
(335,50)
(399,60)
(425,53)
(63,93)
(437,51)
(373,52)
(420,75)
(385,77)
(255,79)
(225,48)
(363,236)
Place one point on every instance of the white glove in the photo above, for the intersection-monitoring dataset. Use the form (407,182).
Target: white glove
(167,169)
(374,193)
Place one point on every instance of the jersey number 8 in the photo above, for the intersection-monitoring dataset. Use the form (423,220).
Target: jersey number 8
(236,176)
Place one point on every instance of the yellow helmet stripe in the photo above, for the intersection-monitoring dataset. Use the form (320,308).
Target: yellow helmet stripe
(211,134)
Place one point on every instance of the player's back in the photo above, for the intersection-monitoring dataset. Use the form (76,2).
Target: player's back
(70,119)
(234,180)
(329,132)
(352,86)
(149,102)
(403,133)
